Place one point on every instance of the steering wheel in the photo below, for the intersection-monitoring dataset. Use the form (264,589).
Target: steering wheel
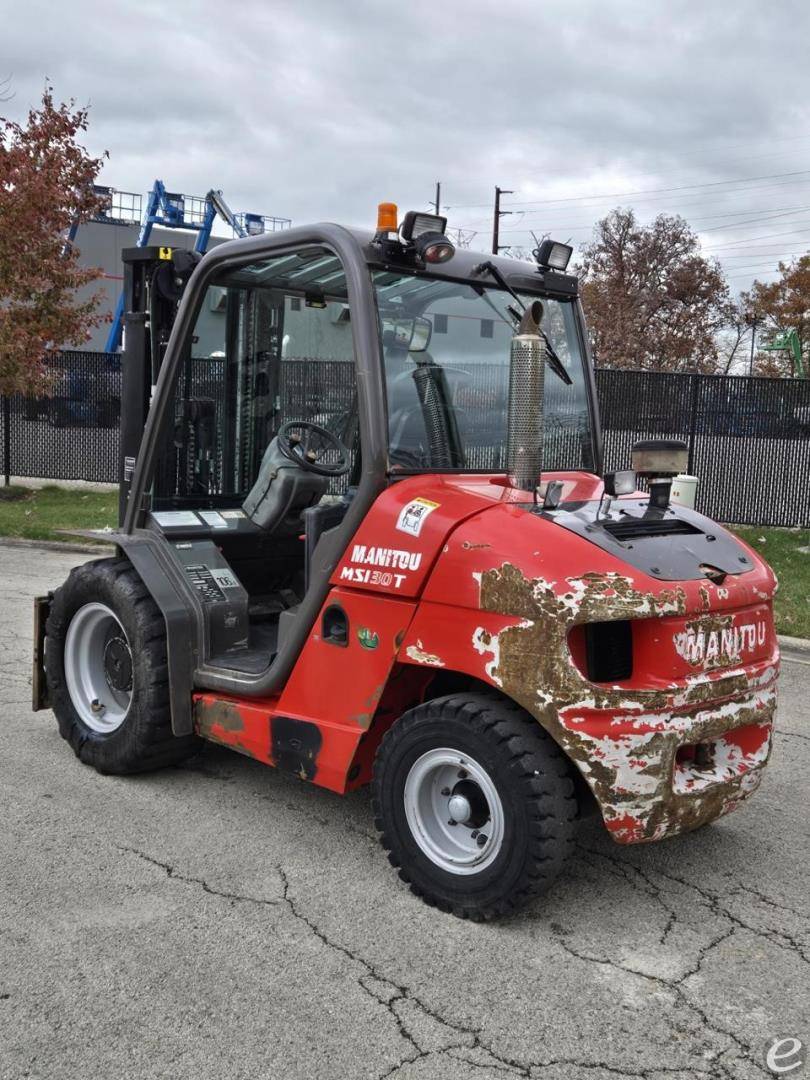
(306,444)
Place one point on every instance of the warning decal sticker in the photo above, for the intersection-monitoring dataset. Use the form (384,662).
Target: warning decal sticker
(414,514)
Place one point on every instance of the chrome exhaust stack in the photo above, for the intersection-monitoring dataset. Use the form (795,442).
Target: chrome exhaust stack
(524,440)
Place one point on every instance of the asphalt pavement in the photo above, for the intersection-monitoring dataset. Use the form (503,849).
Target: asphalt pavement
(221,920)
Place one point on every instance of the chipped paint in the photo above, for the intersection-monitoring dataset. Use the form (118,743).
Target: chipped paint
(416,652)
(713,641)
(625,740)
(223,715)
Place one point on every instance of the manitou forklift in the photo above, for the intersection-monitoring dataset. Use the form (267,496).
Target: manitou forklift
(366,537)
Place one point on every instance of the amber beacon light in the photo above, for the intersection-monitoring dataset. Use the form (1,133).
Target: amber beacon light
(387,217)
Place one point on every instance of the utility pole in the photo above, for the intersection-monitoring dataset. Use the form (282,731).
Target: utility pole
(438,197)
(496,220)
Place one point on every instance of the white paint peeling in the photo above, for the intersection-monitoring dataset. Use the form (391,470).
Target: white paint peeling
(416,652)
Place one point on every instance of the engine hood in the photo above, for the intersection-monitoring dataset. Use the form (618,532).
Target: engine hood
(652,553)
(676,544)
(434,536)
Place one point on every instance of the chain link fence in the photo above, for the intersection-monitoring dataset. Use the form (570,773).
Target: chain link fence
(749,438)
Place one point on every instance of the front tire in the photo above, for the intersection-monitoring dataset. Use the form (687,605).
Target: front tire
(475,804)
(105,662)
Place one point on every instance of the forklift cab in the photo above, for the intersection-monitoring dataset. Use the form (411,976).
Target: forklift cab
(300,375)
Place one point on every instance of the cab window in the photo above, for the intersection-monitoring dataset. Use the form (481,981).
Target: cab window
(272,342)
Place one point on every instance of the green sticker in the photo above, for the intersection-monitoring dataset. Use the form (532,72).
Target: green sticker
(367,638)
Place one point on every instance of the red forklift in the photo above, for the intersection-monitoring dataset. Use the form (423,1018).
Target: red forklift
(366,537)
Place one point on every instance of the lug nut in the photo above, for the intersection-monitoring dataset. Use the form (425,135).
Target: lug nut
(462,774)
(481,839)
(474,833)
(445,791)
(452,822)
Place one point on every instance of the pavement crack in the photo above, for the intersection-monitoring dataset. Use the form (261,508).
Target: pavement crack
(792,734)
(389,993)
(714,902)
(175,875)
(676,986)
(646,886)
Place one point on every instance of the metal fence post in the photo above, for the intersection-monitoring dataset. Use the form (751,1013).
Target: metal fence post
(693,408)
(7,437)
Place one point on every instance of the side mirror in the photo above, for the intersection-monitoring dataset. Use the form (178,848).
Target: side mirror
(421,334)
(411,335)
(620,483)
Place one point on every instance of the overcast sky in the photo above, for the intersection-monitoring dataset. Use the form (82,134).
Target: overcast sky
(318,110)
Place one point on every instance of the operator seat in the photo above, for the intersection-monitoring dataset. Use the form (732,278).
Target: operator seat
(282,491)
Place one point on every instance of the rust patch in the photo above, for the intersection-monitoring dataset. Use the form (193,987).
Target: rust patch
(217,714)
(364,718)
(624,741)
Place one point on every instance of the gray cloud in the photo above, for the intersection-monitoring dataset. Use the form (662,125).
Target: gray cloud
(319,110)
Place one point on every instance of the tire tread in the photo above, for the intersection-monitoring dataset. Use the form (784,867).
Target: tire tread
(149,742)
(539,768)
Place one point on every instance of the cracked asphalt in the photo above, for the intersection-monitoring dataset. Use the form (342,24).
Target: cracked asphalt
(221,920)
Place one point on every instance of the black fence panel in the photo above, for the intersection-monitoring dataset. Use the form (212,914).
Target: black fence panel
(749,438)
(72,434)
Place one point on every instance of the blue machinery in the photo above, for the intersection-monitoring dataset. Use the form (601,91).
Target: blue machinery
(174,211)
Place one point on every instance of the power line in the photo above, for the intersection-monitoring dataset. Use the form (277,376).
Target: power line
(776,253)
(677,201)
(764,215)
(749,239)
(644,191)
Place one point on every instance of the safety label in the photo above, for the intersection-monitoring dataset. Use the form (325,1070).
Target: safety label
(414,514)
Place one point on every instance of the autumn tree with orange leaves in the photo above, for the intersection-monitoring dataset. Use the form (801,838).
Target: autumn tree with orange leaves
(781,306)
(653,301)
(46,182)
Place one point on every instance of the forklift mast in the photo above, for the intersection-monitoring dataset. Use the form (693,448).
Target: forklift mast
(153,283)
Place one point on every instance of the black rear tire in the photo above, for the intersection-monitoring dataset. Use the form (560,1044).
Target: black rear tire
(144,739)
(532,778)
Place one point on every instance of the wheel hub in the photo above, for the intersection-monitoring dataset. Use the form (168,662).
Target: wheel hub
(98,668)
(454,811)
(459,808)
(118,664)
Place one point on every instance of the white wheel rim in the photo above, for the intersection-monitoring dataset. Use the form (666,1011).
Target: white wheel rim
(96,651)
(454,811)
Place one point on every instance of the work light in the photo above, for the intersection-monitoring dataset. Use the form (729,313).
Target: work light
(426,233)
(433,247)
(553,254)
(415,225)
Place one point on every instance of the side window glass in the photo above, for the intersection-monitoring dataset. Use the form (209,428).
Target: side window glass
(272,342)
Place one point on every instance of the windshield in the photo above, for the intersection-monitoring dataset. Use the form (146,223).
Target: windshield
(446,346)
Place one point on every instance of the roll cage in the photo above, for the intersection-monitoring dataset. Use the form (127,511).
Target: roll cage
(357,254)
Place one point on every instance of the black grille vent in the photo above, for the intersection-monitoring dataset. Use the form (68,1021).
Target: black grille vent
(609,651)
(633,528)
